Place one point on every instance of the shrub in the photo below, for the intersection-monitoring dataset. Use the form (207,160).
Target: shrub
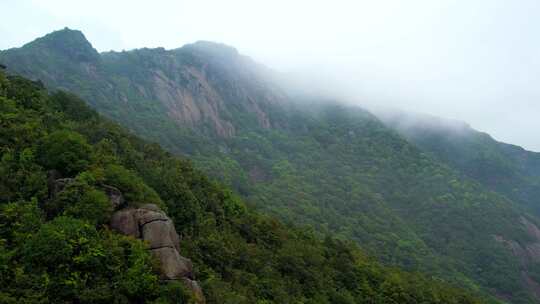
(81,200)
(84,265)
(132,186)
(66,151)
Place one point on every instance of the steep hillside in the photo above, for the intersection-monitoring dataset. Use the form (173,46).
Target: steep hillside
(503,168)
(337,169)
(141,88)
(65,170)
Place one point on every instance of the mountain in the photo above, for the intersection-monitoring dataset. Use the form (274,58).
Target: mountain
(507,169)
(335,168)
(144,84)
(70,182)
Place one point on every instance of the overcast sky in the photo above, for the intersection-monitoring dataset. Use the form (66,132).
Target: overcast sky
(472,60)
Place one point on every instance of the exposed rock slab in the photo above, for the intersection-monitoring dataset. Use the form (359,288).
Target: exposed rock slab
(145,216)
(160,234)
(124,222)
(173,265)
(151,224)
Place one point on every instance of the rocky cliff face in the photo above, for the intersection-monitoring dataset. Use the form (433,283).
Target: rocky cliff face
(527,253)
(201,85)
(150,224)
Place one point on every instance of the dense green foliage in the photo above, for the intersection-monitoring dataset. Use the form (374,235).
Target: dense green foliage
(336,169)
(507,169)
(80,200)
(57,250)
(344,172)
(65,150)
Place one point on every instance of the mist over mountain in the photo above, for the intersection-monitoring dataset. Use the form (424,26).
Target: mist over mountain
(471,61)
(419,193)
(504,168)
(92,214)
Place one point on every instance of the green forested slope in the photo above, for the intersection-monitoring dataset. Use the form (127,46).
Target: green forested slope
(59,249)
(503,168)
(346,173)
(337,169)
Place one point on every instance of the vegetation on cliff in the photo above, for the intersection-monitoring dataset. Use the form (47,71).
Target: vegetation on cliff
(60,250)
(337,169)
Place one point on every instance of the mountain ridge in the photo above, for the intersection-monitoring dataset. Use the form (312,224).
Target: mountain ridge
(74,184)
(338,169)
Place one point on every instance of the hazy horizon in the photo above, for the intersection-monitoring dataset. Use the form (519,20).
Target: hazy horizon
(472,61)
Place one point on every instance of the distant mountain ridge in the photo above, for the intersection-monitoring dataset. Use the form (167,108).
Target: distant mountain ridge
(210,75)
(338,169)
(504,168)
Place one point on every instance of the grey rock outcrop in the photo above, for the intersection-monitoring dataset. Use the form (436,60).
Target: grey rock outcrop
(149,223)
(173,265)
(124,222)
(527,252)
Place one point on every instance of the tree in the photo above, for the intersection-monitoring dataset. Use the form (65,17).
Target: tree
(66,151)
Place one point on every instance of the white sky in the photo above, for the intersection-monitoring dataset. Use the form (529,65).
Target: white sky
(473,60)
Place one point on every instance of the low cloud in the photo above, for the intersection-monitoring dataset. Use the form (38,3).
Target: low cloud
(476,61)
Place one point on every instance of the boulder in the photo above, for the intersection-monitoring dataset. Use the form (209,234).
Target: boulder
(158,234)
(124,222)
(173,266)
(175,238)
(145,216)
(149,223)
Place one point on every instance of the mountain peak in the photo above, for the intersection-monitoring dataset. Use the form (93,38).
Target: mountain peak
(213,49)
(67,42)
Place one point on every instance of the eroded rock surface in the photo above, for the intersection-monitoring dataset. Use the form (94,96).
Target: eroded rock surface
(149,223)
(124,222)
(173,265)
